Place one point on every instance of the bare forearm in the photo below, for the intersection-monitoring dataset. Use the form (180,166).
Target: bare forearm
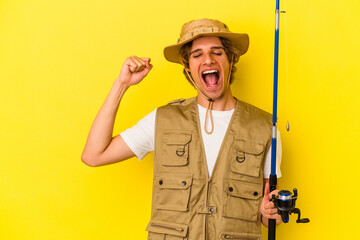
(101,131)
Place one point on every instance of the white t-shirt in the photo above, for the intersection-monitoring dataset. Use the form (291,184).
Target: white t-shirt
(140,138)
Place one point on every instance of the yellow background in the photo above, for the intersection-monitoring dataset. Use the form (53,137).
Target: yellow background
(58,60)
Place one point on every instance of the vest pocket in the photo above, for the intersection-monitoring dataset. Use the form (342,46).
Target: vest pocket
(242,200)
(175,148)
(247,157)
(173,191)
(160,230)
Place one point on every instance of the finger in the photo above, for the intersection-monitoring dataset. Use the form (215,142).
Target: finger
(271,215)
(274,216)
(140,64)
(267,191)
(147,69)
(147,63)
(275,192)
(128,65)
(269,205)
(138,60)
(131,64)
(271,211)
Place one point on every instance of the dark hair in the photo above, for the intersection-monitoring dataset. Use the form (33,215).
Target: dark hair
(231,50)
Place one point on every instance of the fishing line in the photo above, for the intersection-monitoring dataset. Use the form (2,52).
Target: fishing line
(286,68)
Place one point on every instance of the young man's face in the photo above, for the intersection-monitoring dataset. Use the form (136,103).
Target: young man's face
(209,66)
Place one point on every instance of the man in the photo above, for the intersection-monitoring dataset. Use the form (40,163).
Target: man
(210,151)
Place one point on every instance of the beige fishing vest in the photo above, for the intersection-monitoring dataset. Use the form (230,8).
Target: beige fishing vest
(187,204)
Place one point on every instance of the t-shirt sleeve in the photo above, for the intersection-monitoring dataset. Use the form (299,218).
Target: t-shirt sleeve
(140,137)
(267,165)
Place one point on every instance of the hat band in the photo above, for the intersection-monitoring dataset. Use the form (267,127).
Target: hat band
(202,31)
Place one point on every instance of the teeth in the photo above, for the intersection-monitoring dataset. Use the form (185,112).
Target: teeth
(210,71)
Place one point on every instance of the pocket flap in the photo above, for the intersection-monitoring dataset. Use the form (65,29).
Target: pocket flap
(174,229)
(173,180)
(177,138)
(249,146)
(243,189)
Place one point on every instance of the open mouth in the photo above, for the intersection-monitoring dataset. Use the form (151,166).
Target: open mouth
(210,77)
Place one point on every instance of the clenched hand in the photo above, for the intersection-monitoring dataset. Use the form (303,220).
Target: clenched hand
(134,70)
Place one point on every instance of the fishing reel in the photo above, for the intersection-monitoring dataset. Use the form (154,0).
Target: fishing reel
(285,203)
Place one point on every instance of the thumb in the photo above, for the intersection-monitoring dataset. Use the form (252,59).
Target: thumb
(147,63)
(267,191)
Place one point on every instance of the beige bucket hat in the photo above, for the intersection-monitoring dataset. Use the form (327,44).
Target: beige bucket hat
(205,27)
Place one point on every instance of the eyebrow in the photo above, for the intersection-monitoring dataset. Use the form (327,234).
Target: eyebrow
(212,48)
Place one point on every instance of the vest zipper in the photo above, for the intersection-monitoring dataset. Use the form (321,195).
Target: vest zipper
(207,175)
(235,237)
(178,229)
(232,237)
(207,191)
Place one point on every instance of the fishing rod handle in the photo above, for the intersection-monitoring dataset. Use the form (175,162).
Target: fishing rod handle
(272,229)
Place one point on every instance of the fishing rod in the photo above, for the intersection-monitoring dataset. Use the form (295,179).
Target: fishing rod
(284,202)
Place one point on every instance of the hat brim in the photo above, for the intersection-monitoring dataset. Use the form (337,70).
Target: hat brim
(241,40)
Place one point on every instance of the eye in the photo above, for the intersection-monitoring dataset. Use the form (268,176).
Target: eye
(196,55)
(218,53)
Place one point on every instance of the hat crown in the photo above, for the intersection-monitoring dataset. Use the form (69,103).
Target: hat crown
(205,28)
(196,27)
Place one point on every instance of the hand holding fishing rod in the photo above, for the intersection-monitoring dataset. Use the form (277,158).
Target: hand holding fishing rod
(268,209)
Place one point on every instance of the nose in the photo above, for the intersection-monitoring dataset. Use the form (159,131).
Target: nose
(208,59)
